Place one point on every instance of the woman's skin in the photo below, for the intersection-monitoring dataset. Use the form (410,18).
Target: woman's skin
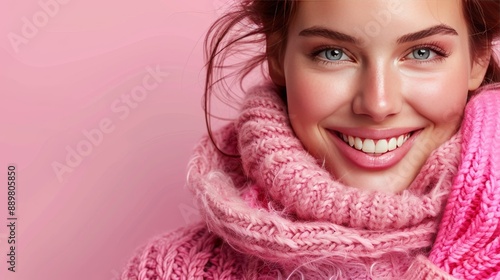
(382,71)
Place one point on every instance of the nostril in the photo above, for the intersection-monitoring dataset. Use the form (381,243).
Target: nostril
(375,108)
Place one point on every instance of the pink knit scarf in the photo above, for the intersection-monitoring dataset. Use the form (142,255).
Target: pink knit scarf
(278,204)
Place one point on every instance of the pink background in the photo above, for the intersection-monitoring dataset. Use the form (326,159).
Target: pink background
(66,71)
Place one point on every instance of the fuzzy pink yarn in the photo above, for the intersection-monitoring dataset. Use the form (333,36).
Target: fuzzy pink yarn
(468,243)
(276,213)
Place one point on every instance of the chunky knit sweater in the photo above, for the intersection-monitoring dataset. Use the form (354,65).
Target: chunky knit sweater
(276,213)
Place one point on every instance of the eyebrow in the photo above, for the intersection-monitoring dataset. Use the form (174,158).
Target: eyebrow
(434,30)
(318,31)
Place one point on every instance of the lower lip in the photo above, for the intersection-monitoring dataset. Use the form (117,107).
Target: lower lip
(373,161)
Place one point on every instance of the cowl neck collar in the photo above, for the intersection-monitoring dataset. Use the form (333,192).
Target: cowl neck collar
(277,202)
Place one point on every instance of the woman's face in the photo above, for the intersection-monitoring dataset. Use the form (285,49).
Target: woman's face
(374,86)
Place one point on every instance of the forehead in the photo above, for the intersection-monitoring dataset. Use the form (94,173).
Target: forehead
(394,16)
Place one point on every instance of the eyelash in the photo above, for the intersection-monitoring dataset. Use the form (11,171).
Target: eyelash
(433,46)
(315,55)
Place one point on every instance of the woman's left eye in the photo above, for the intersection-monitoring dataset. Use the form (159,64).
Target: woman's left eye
(422,54)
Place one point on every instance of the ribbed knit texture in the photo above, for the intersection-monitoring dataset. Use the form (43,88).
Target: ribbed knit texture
(468,244)
(277,213)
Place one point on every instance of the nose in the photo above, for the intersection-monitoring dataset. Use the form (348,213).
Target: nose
(379,93)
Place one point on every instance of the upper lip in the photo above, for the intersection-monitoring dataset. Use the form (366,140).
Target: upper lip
(375,133)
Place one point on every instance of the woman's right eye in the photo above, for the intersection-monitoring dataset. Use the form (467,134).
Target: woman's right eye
(333,55)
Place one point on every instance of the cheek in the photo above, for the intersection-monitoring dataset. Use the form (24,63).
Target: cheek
(313,96)
(304,98)
(307,107)
(442,98)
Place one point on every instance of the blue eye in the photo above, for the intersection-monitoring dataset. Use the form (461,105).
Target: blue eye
(422,53)
(333,54)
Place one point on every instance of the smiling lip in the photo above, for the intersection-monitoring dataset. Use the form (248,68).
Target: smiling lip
(369,159)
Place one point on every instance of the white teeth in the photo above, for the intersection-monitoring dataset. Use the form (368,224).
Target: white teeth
(368,146)
(351,141)
(401,140)
(358,143)
(375,146)
(392,144)
(381,146)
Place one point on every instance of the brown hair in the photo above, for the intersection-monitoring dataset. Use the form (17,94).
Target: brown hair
(483,22)
(253,22)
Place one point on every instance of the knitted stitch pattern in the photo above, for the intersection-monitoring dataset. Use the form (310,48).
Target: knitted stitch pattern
(279,213)
(468,244)
(309,214)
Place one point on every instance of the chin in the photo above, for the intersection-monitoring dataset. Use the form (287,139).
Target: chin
(393,180)
(381,184)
